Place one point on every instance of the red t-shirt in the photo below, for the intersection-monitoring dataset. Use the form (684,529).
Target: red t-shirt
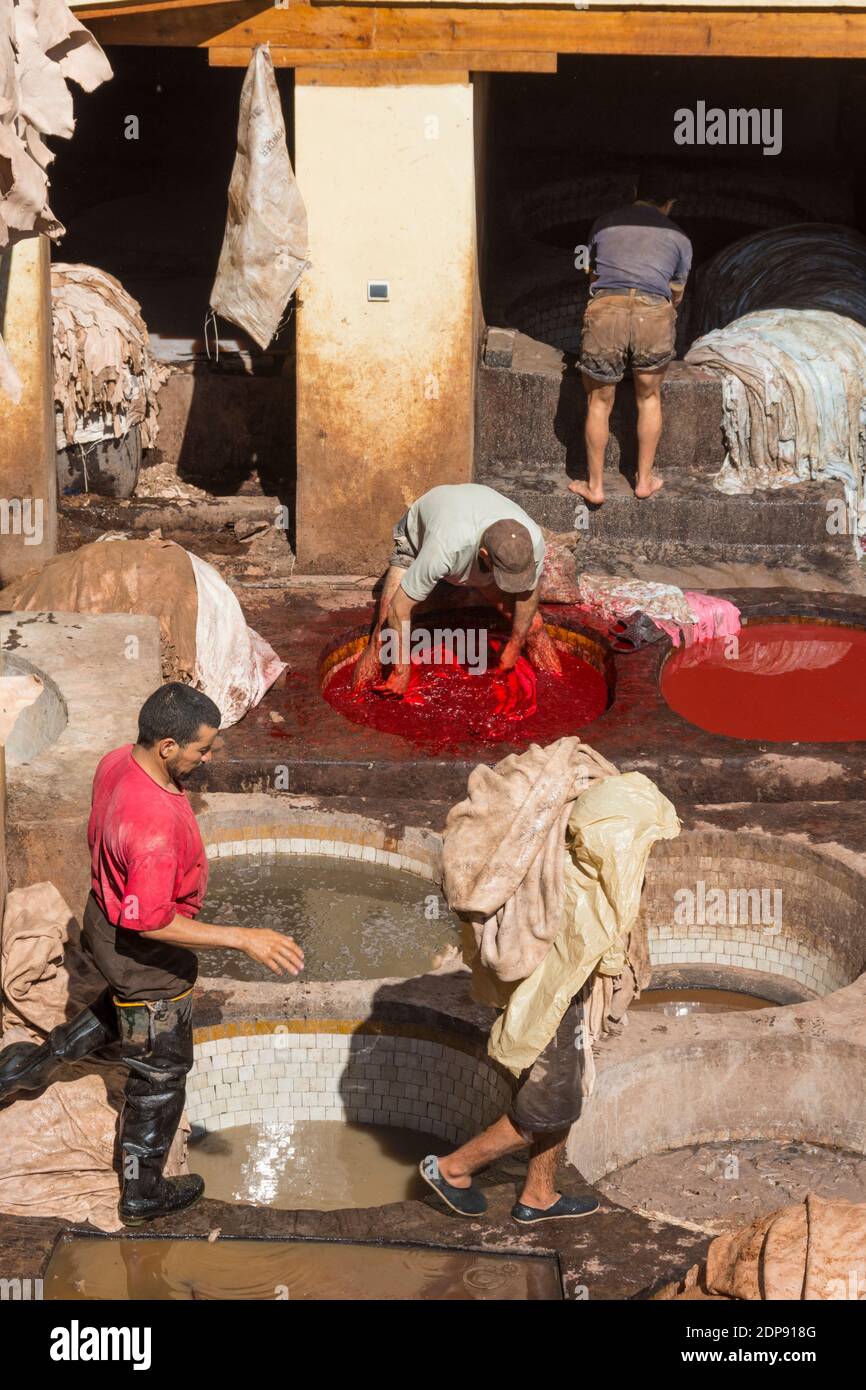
(147,859)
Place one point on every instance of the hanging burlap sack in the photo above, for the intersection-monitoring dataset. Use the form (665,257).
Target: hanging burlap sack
(265,247)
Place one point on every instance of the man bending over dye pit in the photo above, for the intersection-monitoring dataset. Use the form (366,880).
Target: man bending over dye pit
(469,537)
(148,881)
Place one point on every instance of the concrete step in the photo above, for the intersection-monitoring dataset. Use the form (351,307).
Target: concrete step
(531,416)
(688,510)
(713,567)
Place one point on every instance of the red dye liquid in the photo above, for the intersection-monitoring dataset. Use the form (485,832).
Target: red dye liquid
(784,683)
(446,705)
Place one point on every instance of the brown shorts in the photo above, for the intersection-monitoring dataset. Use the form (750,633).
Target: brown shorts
(136,969)
(627,327)
(549,1095)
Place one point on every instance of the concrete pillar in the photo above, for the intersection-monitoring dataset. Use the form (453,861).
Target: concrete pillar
(28,469)
(385,390)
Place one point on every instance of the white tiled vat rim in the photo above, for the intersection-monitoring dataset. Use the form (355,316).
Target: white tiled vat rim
(336,848)
(748,949)
(411,1082)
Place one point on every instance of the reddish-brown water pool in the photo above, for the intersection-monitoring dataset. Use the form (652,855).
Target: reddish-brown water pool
(793,682)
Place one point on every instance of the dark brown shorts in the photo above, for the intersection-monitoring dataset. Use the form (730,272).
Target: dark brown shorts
(135,968)
(628,327)
(549,1095)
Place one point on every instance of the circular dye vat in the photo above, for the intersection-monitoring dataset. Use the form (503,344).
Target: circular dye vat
(457,696)
(313,1165)
(681,1003)
(725,1185)
(776,682)
(353,920)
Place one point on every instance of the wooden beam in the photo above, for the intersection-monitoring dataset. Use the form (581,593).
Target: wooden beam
(374,75)
(355,57)
(752,33)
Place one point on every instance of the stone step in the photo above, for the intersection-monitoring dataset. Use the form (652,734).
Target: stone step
(714,567)
(688,510)
(531,416)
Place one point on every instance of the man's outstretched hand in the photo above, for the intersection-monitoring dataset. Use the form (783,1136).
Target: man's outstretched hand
(279,953)
(509,656)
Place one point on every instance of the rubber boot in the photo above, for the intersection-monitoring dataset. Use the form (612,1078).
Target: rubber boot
(156,1045)
(28,1066)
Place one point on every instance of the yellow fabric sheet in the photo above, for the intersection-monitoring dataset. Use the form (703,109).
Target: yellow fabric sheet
(611,831)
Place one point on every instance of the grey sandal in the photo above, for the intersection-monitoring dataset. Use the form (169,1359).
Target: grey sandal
(466,1201)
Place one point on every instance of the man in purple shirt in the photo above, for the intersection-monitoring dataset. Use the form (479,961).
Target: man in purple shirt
(640,261)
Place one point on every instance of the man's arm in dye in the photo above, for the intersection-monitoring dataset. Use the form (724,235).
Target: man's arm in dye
(395,631)
(368,668)
(525,609)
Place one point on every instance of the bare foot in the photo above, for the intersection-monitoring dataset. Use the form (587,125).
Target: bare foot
(595,496)
(647,489)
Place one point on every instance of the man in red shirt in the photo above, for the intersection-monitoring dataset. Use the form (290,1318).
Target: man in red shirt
(148,880)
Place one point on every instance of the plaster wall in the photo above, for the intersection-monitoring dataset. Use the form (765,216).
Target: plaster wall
(28,469)
(384,390)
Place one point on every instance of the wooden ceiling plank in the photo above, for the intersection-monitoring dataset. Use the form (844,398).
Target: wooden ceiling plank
(757,33)
(373,75)
(476,61)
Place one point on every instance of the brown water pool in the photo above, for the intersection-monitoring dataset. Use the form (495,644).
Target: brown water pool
(84,1268)
(313,1165)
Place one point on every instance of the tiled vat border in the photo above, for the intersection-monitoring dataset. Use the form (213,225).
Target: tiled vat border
(747,948)
(338,841)
(272,1071)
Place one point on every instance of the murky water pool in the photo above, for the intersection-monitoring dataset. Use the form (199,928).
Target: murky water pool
(679,1003)
(354,920)
(313,1165)
(85,1268)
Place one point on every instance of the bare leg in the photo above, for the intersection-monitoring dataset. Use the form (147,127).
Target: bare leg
(501,1138)
(600,398)
(540,1189)
(648,394)
(368,667)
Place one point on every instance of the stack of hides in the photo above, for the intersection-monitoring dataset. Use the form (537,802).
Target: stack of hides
(105,379)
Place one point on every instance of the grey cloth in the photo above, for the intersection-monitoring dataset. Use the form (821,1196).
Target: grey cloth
(638,248)
(550,1094)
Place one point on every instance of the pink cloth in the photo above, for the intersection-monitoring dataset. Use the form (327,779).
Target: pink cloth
(714,617)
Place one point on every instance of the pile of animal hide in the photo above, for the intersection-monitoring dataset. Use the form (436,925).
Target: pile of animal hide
(794,402)
(204,638)
(105,379)
(814,1251)
(809,266)
(544,862)
(58,1144)
(42,48)
(264,252)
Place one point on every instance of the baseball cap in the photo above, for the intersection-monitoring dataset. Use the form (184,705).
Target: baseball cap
(509,545)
